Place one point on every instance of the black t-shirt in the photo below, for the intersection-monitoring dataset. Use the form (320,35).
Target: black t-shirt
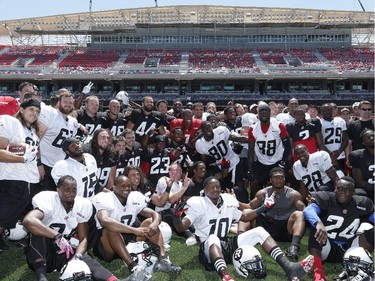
(195,188)
(355,128)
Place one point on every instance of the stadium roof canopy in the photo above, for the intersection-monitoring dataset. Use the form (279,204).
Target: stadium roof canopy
(126,20)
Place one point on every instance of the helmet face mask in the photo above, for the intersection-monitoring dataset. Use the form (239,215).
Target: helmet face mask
(255,268)
(142,253)
(356,258)
(248,262)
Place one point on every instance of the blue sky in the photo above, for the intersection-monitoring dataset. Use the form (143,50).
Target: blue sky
(17,9)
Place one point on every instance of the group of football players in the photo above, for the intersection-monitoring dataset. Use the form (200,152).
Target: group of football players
(79,179)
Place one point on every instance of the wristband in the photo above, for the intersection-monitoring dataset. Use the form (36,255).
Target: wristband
(260,210)
(78,256)
(168,189)
(39,162)
(177,221)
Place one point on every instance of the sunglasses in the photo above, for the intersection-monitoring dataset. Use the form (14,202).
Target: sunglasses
(366,109)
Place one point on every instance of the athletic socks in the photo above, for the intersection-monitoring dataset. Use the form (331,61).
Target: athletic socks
(279,257)
(296,239)
(318,270)
(221,266)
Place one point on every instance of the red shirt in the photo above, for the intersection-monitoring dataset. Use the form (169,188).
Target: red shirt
(189,133)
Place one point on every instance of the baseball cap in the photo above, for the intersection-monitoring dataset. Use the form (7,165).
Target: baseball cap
(30,102)
(159,138)
(263,106)
(68,141)
(345,109)
(252,106)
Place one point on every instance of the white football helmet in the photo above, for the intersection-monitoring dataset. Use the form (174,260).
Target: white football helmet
(357,258)
(166,232)
(248,262)
(142,253)
(75,270)
(123,96)
(17,233)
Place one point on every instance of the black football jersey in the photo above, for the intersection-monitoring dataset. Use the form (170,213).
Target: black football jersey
(342,223)
(143,123)
(364,161)
(236,127)
(159,165)
(91,123)
(131,157)
(115,126)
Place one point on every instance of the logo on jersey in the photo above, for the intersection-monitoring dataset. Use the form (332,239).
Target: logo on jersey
(80,215)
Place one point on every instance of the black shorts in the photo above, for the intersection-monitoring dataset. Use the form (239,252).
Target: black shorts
(337,251)
(262,172)
(14,199)
(228,246)
(45,248)
(278,229)
(98,248)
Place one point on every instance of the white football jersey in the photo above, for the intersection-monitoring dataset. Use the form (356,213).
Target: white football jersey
(209,219)
(314,175)
(332,134)
(12,130)
(58,129)
(218,147)
(161,186)
(127,214)
(55,215)
(268,147)
(85,175)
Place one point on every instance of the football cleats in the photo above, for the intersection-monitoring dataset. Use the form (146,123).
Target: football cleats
(142,253)
(17,233)
(248,262)
(75,270)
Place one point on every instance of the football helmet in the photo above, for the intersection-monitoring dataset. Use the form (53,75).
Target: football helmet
(142,253)
(166,232)
(17,233)
(248,262)
(123,96)
(357,258)
(75,270)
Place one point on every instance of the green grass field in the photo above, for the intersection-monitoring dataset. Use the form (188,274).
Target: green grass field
(13,265)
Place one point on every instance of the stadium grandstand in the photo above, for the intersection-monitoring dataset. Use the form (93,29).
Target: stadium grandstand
(196,53)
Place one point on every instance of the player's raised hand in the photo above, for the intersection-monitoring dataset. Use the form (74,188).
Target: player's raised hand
(87,88)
